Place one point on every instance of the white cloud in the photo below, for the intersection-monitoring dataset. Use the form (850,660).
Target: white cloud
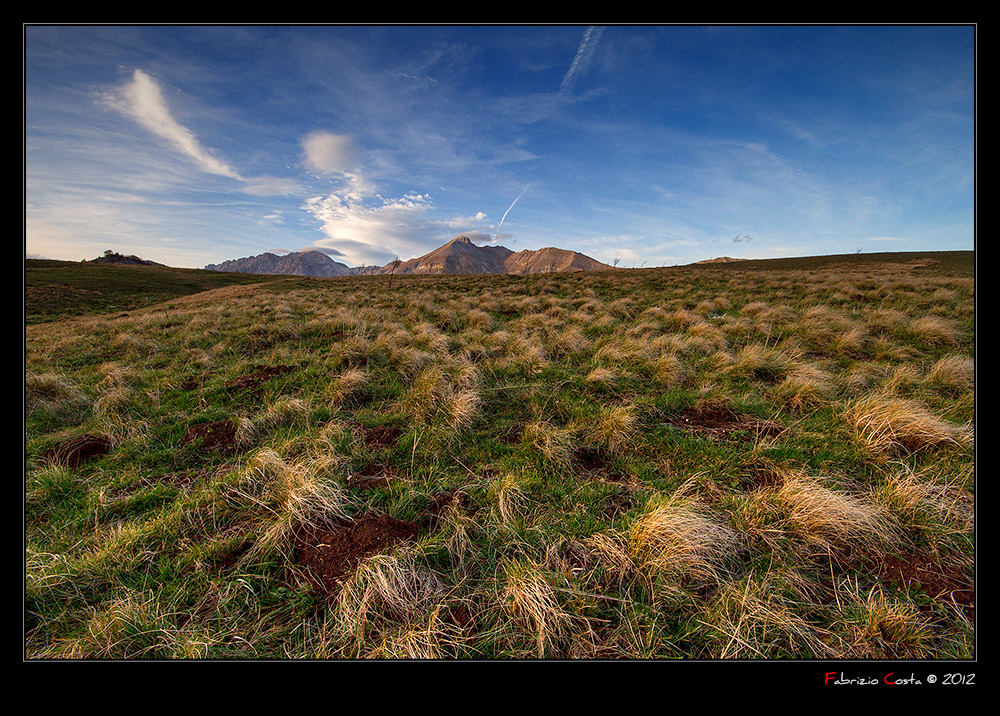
(272,186)
(376,229)
(364,234)
(329,153)
(142,100)
(462,222)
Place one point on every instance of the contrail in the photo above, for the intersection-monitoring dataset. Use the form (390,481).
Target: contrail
(583,53)
(511,207)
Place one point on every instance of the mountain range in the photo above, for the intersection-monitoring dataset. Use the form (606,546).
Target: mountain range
(459,256)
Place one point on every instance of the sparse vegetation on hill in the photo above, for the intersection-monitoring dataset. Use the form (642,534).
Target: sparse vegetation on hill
(57,289)
(744,460)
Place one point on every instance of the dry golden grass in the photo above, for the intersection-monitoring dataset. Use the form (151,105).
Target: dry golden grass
(53,394)
(760,617)
(508,500)
(614,426)
(669,371)
(934,331)
(346,384)
(886,424)
(287,494)
(134,625)
(762,363)
(284,411)
(387,590)
(805,386)
(953,374)
(882,627)
(923,503)
(532,604)
(554,443)
(835,521)
(674,539)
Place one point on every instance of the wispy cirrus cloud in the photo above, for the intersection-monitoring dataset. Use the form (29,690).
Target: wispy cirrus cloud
(142,100)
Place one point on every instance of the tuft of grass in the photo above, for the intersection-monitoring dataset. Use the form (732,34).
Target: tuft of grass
(614,426)
(924,505)
(952,374)
(290,494)
(672,540)
(805,386)
(285,411)
(934,331)
(833,520)
(886,424)
(387,590)
(347,384)
(880,626)
(532,604)
(761,617)
(553,443)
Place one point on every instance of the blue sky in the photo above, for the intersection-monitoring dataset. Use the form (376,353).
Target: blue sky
(655,145)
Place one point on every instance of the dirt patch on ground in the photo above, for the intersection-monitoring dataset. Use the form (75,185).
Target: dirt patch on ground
(760,476)
(380,435)
(723,423)
(442,502)
(599,463)
(617,504)
(591,458)
(372,476)
(938,577)
(251,382)
(332,553)
(216,436)
(78,450)
(511,435)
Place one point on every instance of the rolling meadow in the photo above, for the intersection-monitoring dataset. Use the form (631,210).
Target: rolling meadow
(756,460)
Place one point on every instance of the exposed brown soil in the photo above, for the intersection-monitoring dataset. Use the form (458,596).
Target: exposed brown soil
(333,552)
(598,462)
(936,576)
(756,477)
(216,436)
(372,476)
(77,450)
(721,422)
(591,458)
(259,374)
(444,500)
(512,435)
(617,504)
(380,435)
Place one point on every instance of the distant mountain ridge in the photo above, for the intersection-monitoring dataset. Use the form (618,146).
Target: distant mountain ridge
(459,256)
(297,263)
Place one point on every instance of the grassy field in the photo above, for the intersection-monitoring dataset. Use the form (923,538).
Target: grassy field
(758,460)
(59,289)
